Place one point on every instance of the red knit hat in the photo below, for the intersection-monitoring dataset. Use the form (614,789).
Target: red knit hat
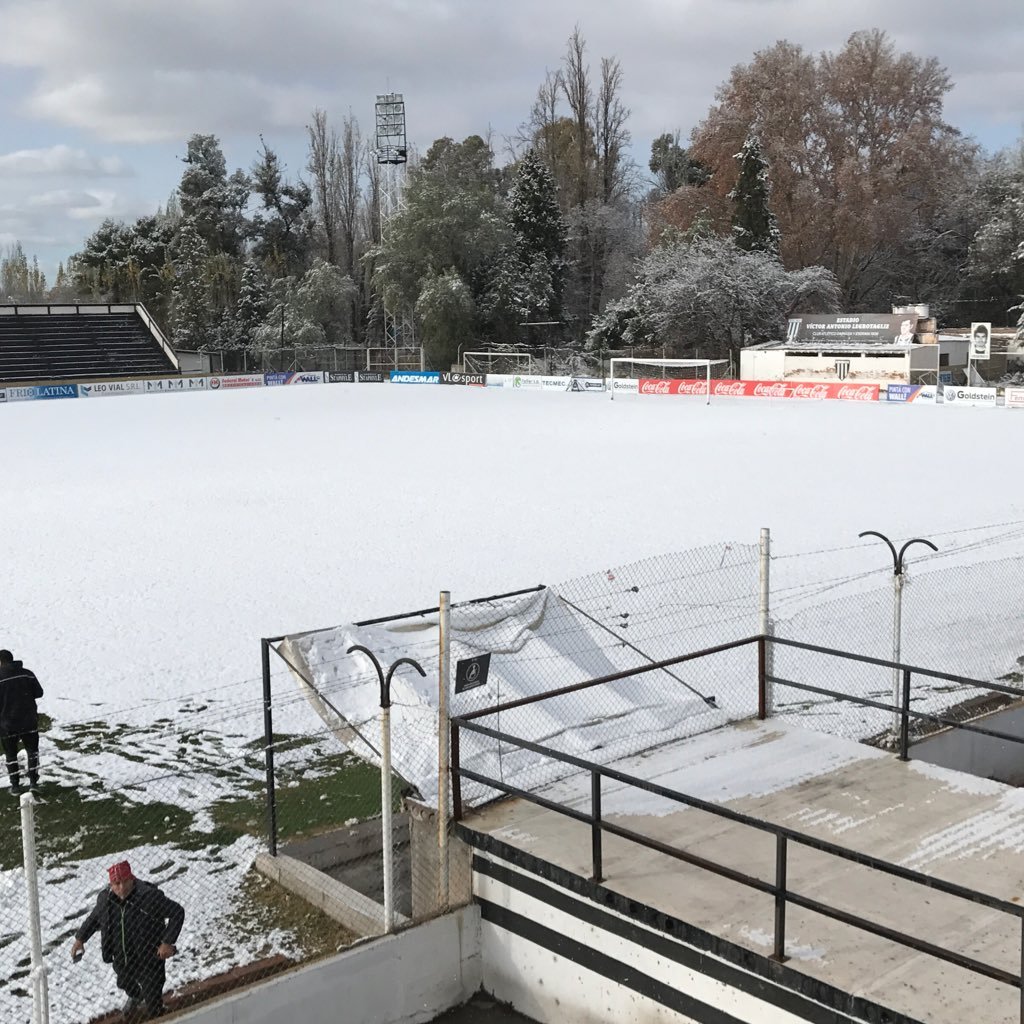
(120,872)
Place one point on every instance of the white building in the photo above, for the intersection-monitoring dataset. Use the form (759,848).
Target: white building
(859,348)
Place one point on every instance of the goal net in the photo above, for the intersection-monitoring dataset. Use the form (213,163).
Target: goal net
(701,370)
(497,362)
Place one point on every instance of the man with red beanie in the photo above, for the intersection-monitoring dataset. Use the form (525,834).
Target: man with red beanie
(138,927)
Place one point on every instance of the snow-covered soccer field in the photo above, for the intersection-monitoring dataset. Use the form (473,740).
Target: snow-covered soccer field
(148,543)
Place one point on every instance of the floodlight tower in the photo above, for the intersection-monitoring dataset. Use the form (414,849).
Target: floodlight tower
(392,156)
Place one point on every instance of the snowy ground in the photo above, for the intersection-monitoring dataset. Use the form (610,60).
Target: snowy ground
(149,543)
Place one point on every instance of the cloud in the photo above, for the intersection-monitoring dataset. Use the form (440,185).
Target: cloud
(60,160)
(63,198)
(141,73)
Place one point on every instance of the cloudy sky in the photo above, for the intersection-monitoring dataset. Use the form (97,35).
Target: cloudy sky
(97,97)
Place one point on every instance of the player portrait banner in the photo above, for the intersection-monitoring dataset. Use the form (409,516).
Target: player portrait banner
(981,341)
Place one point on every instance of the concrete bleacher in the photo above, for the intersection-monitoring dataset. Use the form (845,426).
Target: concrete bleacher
(41,344)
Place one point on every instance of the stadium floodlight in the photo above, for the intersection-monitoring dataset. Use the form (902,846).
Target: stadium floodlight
(704,364)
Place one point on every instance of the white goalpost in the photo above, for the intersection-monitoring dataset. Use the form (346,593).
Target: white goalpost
(483,362)
(704,364)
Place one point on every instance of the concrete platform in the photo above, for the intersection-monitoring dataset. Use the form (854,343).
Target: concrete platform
(943,823)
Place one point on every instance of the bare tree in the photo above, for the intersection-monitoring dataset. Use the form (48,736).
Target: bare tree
(323,164)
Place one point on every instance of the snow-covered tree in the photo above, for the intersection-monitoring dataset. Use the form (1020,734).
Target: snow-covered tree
(711,294)
(445,310)
(539,237)
(192,316)
(21,280)
(754,224)
(211,200)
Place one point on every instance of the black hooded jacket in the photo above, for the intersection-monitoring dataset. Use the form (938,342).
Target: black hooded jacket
(19,691)
(132,929)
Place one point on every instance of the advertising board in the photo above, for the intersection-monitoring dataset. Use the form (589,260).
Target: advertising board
(237,380)
(370,377)
(38,392)
(923,394)
(176,385)
(584,384)
(761,389)
(978,398)
(1014,398)
(112,388)
(415,377)
(476,380)
(332,377)
(628,385)
(278,378)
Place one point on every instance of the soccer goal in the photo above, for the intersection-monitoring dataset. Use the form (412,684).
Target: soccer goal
(498,362)
(702,370)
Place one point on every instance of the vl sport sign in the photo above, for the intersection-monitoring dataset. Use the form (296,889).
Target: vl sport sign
(472,672)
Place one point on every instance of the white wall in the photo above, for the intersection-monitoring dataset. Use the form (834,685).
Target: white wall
(406,978)
(553,988)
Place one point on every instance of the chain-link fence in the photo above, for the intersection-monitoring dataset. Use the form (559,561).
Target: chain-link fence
(182,794)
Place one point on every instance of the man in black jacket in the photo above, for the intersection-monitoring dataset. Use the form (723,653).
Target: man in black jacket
(19,719)
(138,927)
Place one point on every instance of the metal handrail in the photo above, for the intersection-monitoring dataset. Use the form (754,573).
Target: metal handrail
(783,835)
(779,888)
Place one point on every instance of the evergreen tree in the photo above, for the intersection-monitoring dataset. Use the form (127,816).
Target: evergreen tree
(754,224)
(213,202)
(192,316)
(540,235)
(251,310)
(282,230)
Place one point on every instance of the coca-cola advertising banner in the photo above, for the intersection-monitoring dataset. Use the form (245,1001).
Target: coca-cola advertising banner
(760,389)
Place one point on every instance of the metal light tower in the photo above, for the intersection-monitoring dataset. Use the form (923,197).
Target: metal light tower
(392,155)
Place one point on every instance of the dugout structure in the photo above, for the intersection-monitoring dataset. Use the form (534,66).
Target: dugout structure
(703,366)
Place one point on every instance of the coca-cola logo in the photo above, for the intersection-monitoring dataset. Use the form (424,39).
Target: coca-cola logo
(812,391)
(655,387)
(777,390)
(861,393)
(730,388)
(691,387)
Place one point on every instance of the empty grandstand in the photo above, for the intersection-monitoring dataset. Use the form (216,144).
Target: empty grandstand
(67,342)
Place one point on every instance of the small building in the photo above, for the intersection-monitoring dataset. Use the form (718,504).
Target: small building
(861,348)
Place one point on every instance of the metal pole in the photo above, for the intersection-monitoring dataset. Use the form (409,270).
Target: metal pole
(385,814)
(40,991)
(595,828)
(762,682)
(456,777)
(268,748)
(764,623)
(779,952)
(905,717)
(443,725)
(897,621)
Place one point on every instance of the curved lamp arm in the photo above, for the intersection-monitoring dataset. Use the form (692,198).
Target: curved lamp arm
(385,699)
(916,540)
(891,546)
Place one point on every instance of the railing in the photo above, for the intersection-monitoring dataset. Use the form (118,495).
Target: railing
(779,889)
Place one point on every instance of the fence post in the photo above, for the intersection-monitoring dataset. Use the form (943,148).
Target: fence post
(268,748)
(40,988)
(456,776)
(905,717)
(762,658)
(764,616)
(443,726)
(779,953)
(388,836)
(595,825)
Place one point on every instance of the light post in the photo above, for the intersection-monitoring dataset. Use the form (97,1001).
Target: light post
(898,579)
(385,775)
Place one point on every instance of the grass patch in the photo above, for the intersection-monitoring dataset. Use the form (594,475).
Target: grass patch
(311,798)
(70,827)
(264,906)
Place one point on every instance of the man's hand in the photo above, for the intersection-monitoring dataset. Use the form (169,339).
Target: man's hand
(77,950)
(165,950)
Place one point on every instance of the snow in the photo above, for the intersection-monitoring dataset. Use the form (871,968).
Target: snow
(149,543)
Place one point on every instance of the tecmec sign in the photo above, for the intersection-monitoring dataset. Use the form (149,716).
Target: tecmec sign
(978,397)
